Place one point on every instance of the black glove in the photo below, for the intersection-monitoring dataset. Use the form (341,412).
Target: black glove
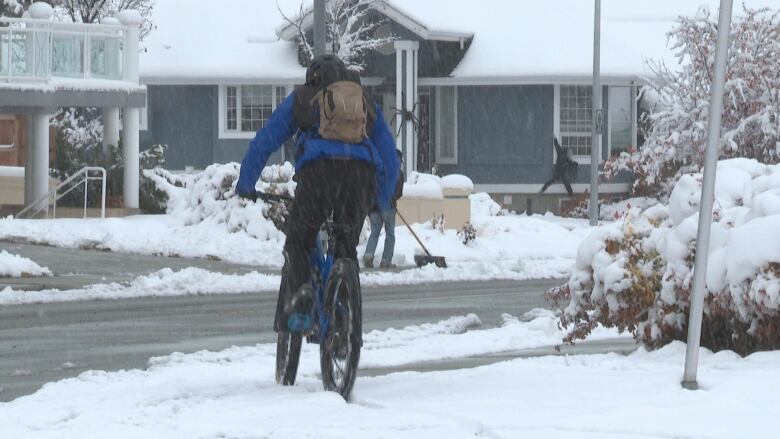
(247,195)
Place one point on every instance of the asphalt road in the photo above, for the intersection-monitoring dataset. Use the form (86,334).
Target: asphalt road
(47,342)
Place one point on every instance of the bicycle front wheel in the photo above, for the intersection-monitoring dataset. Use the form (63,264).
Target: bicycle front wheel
(340,351)
(288,353)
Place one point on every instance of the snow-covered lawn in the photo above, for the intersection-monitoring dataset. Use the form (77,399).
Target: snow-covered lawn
(232,394)
(506,247)
(12,265)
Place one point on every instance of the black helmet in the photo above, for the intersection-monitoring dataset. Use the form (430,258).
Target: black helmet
(325,70)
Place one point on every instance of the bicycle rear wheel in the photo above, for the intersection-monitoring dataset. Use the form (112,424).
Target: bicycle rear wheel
(340,351)
(288,352)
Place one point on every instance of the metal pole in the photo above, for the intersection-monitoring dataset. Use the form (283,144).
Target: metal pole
(103,193)
(707,197)
(595,150)
(319,27)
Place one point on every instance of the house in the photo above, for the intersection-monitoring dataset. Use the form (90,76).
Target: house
(490,83)
(45,65)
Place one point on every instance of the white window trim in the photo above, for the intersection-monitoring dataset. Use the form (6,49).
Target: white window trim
(556,118)
(633,114)
(222,98)
(447,160)
(581,159)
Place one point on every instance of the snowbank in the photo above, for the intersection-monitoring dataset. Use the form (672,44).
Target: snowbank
(16,266)
(166,282)
(645,263)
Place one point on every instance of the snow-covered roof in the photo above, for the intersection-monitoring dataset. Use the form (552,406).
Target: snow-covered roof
(511,40)
(207,42)
(553,39)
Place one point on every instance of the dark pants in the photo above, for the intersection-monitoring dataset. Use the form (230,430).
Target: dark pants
(345,188)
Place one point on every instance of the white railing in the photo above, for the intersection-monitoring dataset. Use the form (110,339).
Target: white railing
(38,50)
(74,181)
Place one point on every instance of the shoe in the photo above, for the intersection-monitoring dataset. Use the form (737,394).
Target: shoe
(385,264)
(298,311)
(368,261)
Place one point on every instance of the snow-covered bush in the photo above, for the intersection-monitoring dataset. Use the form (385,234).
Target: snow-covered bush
(636,274)
(209,197)
(468,233)
(751,108)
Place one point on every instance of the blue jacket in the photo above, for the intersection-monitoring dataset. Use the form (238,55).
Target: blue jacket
(378,149)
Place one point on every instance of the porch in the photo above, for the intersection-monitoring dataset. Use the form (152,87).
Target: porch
(46,65)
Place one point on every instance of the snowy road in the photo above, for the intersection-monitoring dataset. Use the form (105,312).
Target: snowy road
(48,342)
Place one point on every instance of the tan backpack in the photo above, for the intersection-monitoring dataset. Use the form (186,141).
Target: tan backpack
(343,112)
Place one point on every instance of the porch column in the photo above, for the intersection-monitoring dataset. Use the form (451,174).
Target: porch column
(38,150)
(406,100)
(130,153)
(131,20)
(110,128)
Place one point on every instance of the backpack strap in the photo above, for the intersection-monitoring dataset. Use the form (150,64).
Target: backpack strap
(303,107)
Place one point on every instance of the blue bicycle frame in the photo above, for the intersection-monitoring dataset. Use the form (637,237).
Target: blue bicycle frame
(322,265)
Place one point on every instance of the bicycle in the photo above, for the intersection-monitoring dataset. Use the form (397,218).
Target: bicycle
(336,315)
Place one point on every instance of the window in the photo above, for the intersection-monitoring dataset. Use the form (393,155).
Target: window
(576,104)
(244,109)
(447,125)
(620,123)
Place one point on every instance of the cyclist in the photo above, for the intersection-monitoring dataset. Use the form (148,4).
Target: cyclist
(345,162)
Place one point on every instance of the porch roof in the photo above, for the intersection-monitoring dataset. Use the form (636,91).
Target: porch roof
(511,41)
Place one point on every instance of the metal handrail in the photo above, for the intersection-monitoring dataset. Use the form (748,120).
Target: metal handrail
(86,178)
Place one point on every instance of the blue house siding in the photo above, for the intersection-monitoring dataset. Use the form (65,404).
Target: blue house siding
(182,117)
(185,117)
(504,134)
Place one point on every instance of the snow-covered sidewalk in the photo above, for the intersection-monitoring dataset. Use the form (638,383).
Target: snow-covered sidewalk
(233,394)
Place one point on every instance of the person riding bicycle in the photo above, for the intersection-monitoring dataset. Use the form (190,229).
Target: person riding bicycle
(345,162)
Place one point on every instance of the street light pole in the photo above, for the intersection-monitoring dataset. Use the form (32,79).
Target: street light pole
(319,27)
(596,127)
(707,197)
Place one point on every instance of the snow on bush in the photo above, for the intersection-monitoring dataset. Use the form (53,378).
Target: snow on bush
(636,275)
(751,107)
(209,198)
(16,266)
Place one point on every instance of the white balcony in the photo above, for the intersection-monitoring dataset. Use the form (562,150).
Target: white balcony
(40,50)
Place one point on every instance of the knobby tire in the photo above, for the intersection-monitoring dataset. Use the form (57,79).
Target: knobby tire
(288,353)
(340,351)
